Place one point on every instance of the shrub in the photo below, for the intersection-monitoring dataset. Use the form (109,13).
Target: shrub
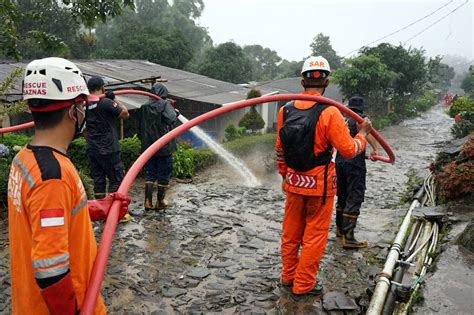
(78,156)
(183,163)
(462,104)
(248,144)
(421,104)
(130,150)
(253,93)
(231,132)
(5,163)
(252,120)
(463,124)
(203,158)
(456,178)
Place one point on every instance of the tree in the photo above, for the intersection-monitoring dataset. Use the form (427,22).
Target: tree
(152,26)
(265,62)
(27,22)
(227,62)
(439,74)
(168,48)
(252,120)
(289,69)
(467,83)
(409,64)
(321,46)
(368,77)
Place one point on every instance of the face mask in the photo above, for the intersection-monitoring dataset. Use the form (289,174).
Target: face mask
(79,127)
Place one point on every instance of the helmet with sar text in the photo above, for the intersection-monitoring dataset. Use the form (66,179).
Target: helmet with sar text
(316,67)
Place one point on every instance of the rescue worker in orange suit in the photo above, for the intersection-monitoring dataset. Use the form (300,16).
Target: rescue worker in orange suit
(307,133)
(351,183)
(52,244)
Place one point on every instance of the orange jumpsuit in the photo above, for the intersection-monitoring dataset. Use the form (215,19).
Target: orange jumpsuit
(306,220)
(50,229)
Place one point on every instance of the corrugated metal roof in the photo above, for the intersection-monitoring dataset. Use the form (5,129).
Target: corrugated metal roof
(180,83)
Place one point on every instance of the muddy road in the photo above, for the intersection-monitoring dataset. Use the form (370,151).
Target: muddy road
(217,248)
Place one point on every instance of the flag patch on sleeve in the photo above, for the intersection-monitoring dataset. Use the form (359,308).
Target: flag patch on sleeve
(52,217)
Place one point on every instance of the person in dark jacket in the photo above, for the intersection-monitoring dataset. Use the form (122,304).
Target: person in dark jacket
(157,117)
(351,175)
(103,151)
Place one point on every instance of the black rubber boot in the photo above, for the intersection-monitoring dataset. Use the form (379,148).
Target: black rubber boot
(348,239)
(339,216)
(161,202)
(148,195)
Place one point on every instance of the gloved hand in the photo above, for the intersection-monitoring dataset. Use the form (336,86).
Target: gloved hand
(177,112)
(99,209)
(110,94)
(60,297)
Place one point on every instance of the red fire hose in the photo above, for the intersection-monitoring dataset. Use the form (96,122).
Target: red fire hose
(111,223)
(98,270)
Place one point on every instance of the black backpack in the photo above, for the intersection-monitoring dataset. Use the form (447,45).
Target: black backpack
(297,137)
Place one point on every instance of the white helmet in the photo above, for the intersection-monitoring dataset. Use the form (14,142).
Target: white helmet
(53,79)
(317,63)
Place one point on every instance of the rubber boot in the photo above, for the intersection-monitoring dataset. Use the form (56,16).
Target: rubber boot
(161,202)
(348,238)
(148,195)
(339,216)
(99,195)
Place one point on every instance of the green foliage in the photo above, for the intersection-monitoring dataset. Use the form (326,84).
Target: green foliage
(231,132)
(252,120)
(130,150)
(227,62)
(77,153)
(203,158)
(37,28)
(87,182)
(183,166)
(264,62)
(245,145)
(321,46)
(409,65)
(14,142)
(253,93)
(467,83)
(462,104)
(368,77)
(5,86)
(463,125)
(440,74)
(422,103)
(5,164)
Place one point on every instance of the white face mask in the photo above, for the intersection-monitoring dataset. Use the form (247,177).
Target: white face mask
(79,127)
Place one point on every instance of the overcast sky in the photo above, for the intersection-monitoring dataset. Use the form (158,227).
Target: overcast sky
(288,26)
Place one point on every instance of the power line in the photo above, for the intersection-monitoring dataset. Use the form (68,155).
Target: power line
(436,22)
(401,29)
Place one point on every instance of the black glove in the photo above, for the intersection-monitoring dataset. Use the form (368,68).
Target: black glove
(110,94)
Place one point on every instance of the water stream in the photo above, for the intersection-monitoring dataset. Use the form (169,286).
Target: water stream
(237,164)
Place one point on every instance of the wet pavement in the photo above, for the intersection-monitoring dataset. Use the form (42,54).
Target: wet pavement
(216,250)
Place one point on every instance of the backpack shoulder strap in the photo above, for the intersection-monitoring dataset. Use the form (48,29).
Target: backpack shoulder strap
(290,105)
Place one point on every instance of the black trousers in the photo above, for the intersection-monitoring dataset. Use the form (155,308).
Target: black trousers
(350,187)
(103,167)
